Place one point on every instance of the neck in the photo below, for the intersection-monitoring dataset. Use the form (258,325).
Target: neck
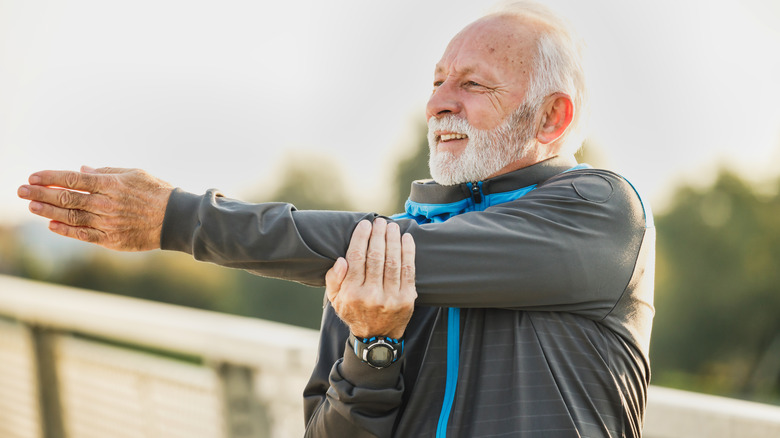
(535,155)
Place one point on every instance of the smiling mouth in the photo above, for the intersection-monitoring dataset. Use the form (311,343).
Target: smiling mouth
(452,136)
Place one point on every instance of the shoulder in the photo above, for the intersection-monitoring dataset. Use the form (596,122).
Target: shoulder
(599,189)
(596,185)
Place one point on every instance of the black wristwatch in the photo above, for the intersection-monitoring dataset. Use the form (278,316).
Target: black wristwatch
(377,351)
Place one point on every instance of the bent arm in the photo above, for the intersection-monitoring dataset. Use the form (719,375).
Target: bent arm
(344,396)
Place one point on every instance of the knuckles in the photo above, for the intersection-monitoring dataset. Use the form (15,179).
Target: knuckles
(86,235)
(78,218)
(65,198)
(72,179)
(378,304)
(354,255)
(69,199)
(375,257)
(392,264)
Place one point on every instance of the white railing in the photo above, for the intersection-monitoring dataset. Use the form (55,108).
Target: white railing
(75,363)
(79,364)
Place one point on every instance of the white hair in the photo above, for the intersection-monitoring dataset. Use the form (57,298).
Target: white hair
(557,65)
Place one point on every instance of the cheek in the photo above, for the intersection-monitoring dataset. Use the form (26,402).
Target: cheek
(485,112)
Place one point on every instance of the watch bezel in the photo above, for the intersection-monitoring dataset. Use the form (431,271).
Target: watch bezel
(363,348)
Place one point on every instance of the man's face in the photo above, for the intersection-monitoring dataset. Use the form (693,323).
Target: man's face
(479,83)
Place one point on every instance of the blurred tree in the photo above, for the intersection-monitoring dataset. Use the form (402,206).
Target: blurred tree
(310,183)
(410,168)
(15,258)
(718,291)
(8,246)
(161,276)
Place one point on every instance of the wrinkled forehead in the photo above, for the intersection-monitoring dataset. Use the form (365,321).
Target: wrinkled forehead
(502,43)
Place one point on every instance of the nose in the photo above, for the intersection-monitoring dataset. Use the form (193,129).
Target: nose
(443,101)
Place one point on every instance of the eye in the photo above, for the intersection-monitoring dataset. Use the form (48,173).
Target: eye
(473,84)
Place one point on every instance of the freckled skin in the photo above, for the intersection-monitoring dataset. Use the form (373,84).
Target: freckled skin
(483,77)
(491,52)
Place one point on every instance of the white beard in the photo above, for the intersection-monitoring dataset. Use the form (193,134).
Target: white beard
(486,152)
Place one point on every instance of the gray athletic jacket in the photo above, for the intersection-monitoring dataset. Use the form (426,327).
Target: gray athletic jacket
(533,315)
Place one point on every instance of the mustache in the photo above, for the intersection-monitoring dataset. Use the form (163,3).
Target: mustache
(450,123)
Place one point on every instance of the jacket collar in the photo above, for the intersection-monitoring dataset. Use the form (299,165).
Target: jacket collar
(430,192)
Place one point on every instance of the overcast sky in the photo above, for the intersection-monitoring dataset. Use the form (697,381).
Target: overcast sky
(215,94)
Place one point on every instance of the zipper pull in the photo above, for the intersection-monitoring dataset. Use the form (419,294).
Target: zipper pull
(476,194)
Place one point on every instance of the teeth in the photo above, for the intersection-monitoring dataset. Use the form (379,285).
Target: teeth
(448,137)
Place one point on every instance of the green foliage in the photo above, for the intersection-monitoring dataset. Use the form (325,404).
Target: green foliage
(310,183)
(166,277)
(718,291)
(276,300)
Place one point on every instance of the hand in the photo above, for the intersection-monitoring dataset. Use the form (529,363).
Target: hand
(120,209)
(373,291)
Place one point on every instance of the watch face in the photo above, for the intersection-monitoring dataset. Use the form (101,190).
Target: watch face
(380,355)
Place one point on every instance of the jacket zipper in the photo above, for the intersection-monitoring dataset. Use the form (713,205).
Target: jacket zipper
(453,340)
(476,191)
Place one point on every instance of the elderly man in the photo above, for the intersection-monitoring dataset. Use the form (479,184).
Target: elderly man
(528,309)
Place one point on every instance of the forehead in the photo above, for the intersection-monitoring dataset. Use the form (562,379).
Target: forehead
(495,45)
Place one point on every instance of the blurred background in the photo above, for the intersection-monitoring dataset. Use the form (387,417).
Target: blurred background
(322,104)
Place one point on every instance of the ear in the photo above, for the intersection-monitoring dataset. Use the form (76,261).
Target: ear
(556,118)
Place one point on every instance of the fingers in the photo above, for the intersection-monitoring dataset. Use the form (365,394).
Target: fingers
(125,206)
(356,253)
(74,217)
(376,294)
(407,264)
(90,235)
(375,258)
(334,278)
(58,197)
(85,182)
(66,206)
(392,273)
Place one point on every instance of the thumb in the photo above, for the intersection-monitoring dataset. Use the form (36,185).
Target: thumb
(334,277)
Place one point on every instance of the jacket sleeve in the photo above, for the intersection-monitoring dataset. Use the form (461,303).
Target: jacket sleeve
(265,239)
(345,397)
(569,245)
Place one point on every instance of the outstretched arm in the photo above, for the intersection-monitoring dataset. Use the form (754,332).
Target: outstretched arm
(571,244)
(121,209)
